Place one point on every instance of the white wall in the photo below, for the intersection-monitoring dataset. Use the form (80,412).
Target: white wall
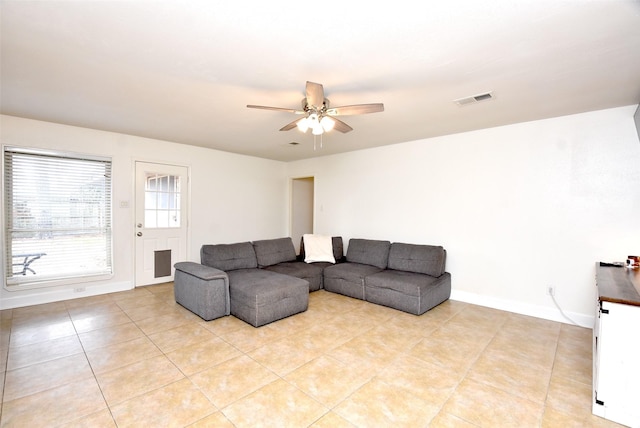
(518,207)
(233,197)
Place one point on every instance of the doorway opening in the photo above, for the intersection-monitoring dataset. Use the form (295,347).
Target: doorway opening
(302,208)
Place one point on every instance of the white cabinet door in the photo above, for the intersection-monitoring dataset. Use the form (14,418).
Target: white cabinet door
(617,381)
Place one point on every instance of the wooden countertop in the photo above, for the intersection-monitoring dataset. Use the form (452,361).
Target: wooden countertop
(618,284)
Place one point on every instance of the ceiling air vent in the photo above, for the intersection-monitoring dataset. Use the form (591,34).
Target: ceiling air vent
(474,99)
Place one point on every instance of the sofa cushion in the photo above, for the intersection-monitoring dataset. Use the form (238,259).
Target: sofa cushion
(348,278)
(274,285)
(427,259)
(352,272)
(408,283)
(318,248)
(309,272)
(368,252)
(228,257)
(411,292)
(273,251)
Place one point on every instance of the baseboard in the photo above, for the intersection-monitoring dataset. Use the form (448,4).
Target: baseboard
(56,295)
(547,313)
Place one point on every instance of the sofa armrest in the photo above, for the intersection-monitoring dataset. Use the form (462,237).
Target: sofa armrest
(200,271)
(202,289)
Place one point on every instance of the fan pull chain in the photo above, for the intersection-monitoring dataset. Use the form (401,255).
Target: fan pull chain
(314,142)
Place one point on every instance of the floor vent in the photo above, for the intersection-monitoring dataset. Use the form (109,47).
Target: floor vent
(474,99)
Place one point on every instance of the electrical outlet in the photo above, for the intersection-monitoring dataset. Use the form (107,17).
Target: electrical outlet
(551,291)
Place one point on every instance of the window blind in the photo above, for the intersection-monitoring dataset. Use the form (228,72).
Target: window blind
(57,216)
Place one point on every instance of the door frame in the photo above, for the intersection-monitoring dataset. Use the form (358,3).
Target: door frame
(133,228)
(292,179)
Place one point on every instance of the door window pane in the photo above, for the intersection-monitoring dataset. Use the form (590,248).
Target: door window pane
(162,201)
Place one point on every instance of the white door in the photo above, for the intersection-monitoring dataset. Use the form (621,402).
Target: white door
(161,221)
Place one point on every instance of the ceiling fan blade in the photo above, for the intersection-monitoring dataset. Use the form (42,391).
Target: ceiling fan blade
(341,126)
(356,109)
(288,110)
(290,126)
(315,94)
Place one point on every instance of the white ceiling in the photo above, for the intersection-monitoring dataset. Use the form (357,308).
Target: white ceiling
(184,71)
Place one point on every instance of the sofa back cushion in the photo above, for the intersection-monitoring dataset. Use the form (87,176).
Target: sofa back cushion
(336,248)
(229,257)
(427,259)
(369,252)
(273,251)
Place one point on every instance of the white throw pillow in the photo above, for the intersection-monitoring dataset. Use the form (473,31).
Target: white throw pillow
(318,248)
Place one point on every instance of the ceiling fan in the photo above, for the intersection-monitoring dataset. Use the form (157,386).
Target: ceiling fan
(318,115)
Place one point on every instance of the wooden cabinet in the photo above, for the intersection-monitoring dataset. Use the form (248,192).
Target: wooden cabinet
(616,346)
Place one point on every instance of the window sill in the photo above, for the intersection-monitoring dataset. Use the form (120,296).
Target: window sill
(30,285)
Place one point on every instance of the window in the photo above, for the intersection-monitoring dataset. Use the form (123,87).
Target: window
(57,218)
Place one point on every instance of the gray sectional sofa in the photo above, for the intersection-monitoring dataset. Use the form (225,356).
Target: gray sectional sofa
(263,281)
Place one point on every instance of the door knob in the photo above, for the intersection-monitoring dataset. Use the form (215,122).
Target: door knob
(139,233)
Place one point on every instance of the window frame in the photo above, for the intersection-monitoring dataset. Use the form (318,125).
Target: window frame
(26,283)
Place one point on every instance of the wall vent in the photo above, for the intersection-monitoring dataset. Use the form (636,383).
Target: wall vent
(474,99)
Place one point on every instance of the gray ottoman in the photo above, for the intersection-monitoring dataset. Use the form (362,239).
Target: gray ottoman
(259,296)
(202,289)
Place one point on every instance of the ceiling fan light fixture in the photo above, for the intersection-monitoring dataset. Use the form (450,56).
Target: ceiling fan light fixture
(303,124)
(327,123)
(314,124)
(317,129)
(318,116)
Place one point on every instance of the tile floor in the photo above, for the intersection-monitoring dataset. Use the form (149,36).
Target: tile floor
(137,359)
